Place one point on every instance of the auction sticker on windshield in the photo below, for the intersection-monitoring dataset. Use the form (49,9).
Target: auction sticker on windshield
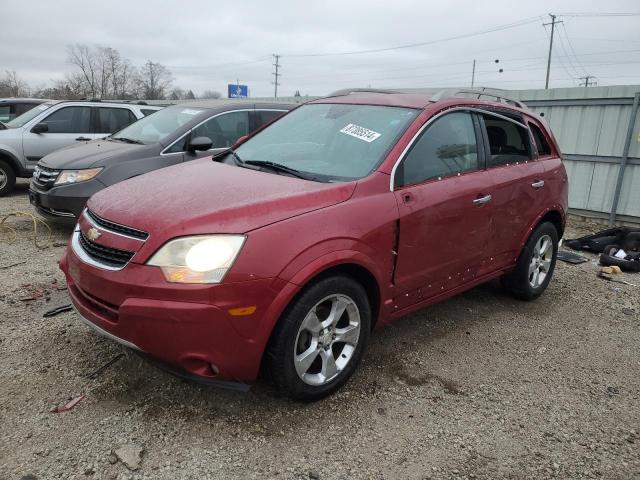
(360,132)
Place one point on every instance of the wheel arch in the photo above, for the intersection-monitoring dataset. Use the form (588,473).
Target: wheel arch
(555,215)
(12,161)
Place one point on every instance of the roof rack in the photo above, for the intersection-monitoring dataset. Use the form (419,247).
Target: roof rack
(349,91)
(476,93)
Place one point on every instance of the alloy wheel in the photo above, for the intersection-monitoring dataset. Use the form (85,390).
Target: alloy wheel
(3,179)
(327,339)
(540,261)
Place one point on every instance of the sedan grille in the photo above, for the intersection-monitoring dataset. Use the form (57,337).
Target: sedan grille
(45,177)
(111,257)
(116,227)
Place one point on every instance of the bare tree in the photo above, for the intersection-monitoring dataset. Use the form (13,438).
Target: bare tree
(13,86)
(177,94)
(154,80)
(210,94)
(84,58)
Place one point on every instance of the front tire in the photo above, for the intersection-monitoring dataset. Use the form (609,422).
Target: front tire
(535,265)
(320,339)
(7,178)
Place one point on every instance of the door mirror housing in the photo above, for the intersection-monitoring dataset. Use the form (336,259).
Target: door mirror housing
(199,143)
(40,128)
(240,141)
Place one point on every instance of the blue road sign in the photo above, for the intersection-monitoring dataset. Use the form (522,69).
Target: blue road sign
(238,91)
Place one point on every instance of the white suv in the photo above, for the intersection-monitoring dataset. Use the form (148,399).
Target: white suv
(56,124)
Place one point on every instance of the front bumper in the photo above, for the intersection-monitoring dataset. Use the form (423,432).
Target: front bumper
(63,201)
(189,327)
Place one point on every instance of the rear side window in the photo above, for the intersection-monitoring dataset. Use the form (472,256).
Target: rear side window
(541,141)
(224,129)
(508,142)
(113,119)
(5,113)
(69,120)
(266,116)
(445,148)
(146,112)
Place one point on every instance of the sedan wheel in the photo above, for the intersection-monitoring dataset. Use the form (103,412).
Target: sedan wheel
(327,338)
(320,339)
(535,265)
(540,261)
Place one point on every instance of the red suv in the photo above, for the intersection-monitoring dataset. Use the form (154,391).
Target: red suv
(282,254)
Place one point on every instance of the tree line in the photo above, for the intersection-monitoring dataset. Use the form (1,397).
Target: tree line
(102,72)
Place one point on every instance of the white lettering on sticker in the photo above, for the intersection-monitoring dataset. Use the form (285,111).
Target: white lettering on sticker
(360,132)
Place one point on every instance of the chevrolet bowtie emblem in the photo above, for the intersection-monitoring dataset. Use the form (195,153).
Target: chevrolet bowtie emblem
(93,234)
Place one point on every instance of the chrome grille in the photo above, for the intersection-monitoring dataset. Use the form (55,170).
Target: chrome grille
(45,177)
(116,227)
(111,257)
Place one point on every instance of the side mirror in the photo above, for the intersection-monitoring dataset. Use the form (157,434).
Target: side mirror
(40,128)
(240,141)
(199,143)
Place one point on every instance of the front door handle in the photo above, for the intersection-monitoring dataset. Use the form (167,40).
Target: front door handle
(482,200)
(82,139)
(538,184)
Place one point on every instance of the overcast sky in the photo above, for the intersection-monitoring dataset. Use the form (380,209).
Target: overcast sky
(208,44)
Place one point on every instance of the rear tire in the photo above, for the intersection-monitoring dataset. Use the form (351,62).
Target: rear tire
(535,265)
(320,339)
(7,178)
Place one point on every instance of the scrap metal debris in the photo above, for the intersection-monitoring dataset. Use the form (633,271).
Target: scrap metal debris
(69,405)
(609,278)
(94,375)
(4,267)
(57,310)
(571,257)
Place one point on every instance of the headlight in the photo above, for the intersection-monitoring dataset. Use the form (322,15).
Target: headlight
(75,176)
(201,259)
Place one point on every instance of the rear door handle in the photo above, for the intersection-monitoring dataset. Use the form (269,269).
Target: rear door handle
(82,139)
(482,200)
(538,184)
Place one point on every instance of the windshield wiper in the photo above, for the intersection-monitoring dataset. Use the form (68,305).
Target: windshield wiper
(128,140)
(278,168)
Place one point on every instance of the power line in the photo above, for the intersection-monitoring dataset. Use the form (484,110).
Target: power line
(566,35)
(420,44)
(599,14)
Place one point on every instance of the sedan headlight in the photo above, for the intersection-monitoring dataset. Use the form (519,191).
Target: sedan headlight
(199,259)
(75,176)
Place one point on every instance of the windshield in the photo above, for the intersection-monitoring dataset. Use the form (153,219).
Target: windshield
(330,141)
(157,126)
(26,117)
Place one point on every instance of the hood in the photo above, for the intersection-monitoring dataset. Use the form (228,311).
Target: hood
(203,196)
(91,154)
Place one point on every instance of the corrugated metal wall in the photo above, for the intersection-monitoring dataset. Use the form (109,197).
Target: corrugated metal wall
(591,125)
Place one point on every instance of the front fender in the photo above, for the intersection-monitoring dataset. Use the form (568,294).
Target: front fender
(12,156)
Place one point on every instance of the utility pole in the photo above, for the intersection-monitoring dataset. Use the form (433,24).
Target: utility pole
(276,75)
(553,27)
(473,73)
(587,81)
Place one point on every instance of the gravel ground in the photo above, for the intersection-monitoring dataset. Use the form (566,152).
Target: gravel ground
(480,386)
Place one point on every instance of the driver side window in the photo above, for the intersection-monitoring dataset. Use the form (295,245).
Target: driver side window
(69,120)
(447,147)
(224,129)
